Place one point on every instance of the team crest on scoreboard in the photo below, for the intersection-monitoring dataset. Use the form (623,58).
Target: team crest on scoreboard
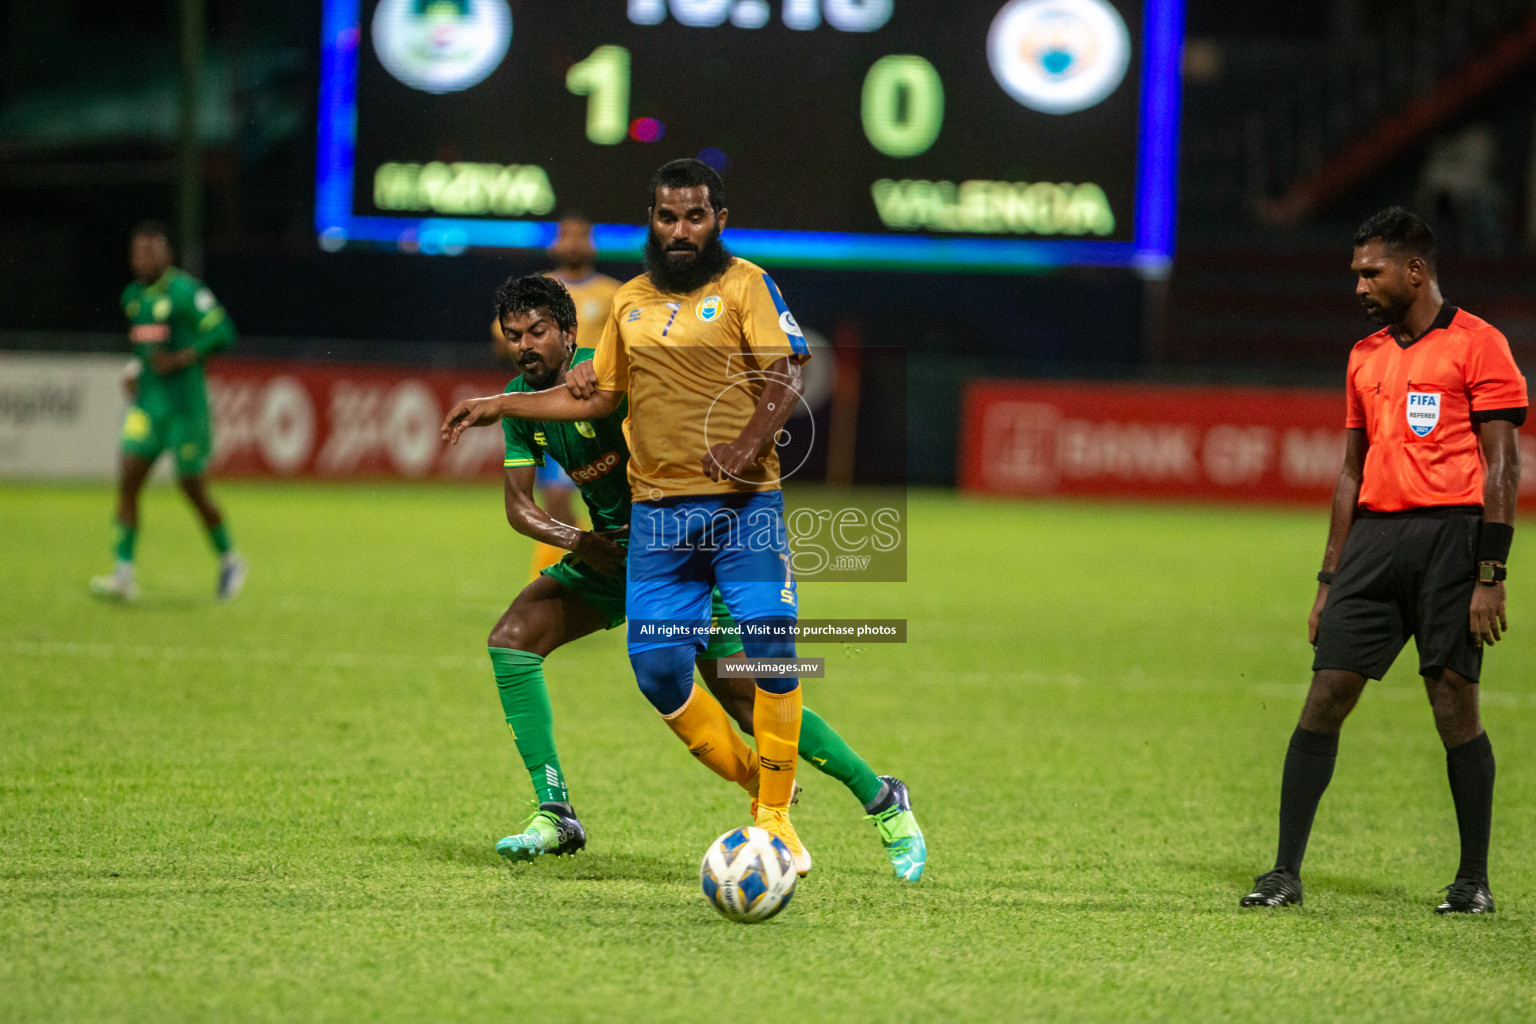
(1423,411)
(1059,56)
(710,308)
(441,46)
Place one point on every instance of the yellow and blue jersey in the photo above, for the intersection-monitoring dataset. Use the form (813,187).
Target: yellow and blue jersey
(693,368)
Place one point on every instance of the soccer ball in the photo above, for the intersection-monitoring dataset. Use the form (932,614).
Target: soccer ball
(748,875)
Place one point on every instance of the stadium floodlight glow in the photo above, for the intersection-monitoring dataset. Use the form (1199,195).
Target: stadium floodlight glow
(936,167)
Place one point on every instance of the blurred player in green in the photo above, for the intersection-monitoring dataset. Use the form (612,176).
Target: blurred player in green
(175,325)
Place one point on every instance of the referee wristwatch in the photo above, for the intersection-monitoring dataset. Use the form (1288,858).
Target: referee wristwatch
(1489,573)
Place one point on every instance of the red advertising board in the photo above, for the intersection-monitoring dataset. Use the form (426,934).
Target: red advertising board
(1142,441)
(335,420)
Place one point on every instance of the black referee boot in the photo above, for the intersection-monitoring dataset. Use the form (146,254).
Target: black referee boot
(1274,889)
(1466,896)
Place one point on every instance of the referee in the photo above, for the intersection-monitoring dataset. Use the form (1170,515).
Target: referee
(1423,515)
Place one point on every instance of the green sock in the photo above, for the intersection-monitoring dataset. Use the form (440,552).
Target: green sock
(525,699)
(830,753)
(124,538)
(220,537)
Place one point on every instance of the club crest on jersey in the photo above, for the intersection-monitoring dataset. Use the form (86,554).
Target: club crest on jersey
(710,308)
(788,326)
(1423,411)
(634,315)
(585,429)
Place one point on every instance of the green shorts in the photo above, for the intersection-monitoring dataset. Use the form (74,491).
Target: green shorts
(606,594)
(189,438)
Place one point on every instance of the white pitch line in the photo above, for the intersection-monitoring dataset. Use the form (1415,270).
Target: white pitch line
(1395,692)
(268,655)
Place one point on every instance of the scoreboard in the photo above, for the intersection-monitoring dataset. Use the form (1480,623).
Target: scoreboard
(911,134)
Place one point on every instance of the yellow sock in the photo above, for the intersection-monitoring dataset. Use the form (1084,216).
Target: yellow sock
(776,721)
(544,556)
(703,725)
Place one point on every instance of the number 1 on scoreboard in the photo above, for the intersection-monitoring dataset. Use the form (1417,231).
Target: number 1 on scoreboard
(604,79)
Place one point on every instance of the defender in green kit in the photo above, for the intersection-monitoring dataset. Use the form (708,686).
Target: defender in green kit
(584,593)
(174,325)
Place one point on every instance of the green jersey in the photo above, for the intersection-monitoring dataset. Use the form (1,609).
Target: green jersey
(594,454)
(174,313)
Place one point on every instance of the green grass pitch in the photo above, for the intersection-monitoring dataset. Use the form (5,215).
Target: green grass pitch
(284,809)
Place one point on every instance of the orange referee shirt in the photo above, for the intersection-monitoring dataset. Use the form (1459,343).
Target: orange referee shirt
(1417,403)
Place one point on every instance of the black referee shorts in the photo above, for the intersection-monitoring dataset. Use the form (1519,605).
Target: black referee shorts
(1404,574)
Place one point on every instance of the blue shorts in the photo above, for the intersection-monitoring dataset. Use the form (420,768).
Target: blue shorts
(551,475)
(683,548)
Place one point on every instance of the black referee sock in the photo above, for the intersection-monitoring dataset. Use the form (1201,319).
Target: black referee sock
(1470,767)
(1308,769)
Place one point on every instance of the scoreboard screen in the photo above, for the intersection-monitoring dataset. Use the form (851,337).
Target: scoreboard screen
(979,134)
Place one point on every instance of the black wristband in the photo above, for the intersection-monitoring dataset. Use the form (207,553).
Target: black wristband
(1325,578)
(1493,542)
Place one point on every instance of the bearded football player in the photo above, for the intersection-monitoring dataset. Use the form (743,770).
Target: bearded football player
(584,593)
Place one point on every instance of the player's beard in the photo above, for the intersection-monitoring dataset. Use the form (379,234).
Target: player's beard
(542,376)
(682,278)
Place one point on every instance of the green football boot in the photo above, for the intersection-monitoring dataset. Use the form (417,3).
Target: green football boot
(553,829)
(899,834)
